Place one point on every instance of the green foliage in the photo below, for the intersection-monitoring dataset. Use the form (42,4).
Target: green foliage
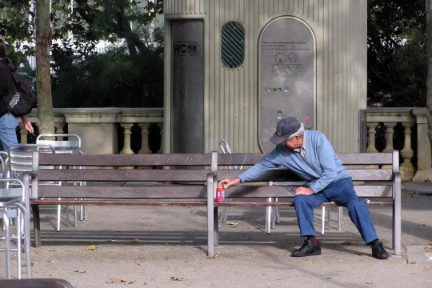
(112,79)
(129,75)
(406,82)
(396,59)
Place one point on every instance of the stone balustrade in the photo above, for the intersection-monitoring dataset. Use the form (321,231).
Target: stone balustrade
(99,128)
(412,168)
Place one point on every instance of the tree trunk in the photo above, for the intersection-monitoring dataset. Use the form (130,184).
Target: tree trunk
(43,75)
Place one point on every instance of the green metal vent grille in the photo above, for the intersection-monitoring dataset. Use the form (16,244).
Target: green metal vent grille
(233,47)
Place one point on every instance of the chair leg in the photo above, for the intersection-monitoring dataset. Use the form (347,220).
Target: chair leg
(323,212)
(27,236)
(76,215)
(340,215)
(277,212)
(7,245)
(268,216)
(58,217)
(19,248)
(328,217)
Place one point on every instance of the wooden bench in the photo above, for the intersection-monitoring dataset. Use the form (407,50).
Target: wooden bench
(381,186)
(158,187)
(376,184)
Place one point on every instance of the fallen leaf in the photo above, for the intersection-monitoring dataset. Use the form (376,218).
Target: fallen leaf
(137,240)
(90,247)
(348,242)
(211,257)
(177,279)
(340,260)
(126,282)
(114,281)
(138,262)
(231,223)
(80,271)
(110,240)
(411,192)
(428,180)
(422,225)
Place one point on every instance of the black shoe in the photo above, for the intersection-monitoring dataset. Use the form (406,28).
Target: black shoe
(379,252)
(308,249)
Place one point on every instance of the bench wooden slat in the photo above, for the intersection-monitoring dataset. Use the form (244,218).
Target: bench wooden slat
(123,175)
(126,160)
(117,202)
(346,158)
(158,192)
(280,204)
(281,174)
(365,190)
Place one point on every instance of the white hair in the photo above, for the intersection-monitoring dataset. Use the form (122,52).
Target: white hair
(299,132)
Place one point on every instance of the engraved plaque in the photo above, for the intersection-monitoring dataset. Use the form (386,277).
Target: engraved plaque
(287,76)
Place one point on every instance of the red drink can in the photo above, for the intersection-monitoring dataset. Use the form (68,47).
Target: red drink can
(220,194)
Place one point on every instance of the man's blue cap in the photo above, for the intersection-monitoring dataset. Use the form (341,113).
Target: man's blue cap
(284,129)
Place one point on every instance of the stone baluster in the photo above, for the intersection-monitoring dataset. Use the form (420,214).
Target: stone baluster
(127,138)
(407,168)
(371,145)
(23,133)
(424,169)
(389,137)
(371,132)
(127,142)
(389,141)
(145,139)
(59,127)
(161,150)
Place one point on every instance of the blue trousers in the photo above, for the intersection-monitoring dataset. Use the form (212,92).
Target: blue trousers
(342,193)
(8,136)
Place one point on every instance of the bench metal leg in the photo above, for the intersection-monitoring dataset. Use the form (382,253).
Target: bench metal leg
(36,222)
(216,227)
(397,229)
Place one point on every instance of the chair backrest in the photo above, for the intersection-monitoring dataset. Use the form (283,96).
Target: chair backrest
(21,156)
(16,192)
(61,146)
(4,164)
(226,149)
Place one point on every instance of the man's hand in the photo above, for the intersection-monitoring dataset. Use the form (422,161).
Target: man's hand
(304,191)
(226,183)
(27,125)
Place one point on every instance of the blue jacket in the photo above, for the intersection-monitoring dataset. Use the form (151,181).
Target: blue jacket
(319,167)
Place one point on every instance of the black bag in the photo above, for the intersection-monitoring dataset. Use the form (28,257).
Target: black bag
(22,99)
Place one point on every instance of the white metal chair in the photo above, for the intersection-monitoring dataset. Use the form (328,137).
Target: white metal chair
(71,145)
(16,199)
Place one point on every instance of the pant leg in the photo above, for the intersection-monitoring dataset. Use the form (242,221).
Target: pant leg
(342,193)
(8,136)
(304,206)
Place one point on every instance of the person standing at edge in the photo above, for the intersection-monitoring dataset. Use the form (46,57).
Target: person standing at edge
(311,156)
(8,122)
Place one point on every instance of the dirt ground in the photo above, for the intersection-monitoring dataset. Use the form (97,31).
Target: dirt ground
(166,247)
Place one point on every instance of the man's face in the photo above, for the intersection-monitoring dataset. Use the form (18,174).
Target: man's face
(294,143)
